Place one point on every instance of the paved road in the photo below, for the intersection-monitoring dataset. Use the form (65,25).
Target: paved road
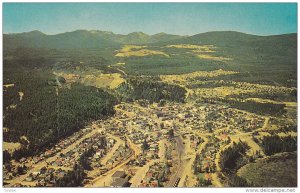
(140,174)
(105,179)
(266,122)
(137,150)
(113,150)
(119,142)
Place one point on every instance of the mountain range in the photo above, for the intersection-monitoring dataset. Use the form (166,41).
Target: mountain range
(82,39)
(102,39)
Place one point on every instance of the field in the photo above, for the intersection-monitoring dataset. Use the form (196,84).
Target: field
(11,147)
(210,57)
(99,80)
(183,78)
(138,51)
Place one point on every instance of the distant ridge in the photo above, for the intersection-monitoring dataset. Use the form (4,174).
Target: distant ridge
(83,39)
(102,39)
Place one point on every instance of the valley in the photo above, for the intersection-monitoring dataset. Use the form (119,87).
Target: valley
(149,111)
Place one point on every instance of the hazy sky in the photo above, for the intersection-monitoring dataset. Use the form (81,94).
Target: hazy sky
(151,18)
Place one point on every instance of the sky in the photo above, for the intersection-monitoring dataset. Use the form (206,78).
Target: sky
(151,18)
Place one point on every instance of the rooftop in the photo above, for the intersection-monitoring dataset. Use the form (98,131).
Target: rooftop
(120,182)
(118,174)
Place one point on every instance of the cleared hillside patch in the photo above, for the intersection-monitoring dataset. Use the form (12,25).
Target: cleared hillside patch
(194,48)
(11,147)
(216,58)
(185,77)
(111,81)
(201,51)
(96,79)
(139,51)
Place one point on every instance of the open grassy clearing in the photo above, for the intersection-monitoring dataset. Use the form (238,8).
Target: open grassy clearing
(69,77)
(139,51)
(96,79)
(128,48)
(103,81)
(119,64)
(219,92)
(183,78)
(210,57)
(8,85)
(248,91)
(288,104)
(194,48)
(111,81)
(11,147)
(201,51)
(197,79)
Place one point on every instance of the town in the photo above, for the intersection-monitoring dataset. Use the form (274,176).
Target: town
(174,145)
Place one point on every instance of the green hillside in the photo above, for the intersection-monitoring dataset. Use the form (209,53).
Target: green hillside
(259,59)
(68,40)
(81,39)
(280,169)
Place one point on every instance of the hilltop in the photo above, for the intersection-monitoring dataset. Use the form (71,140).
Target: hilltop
(82,39)
(98,39)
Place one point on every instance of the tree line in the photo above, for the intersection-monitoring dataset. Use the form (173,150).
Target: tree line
(276,144)
(43,116)
(230,157)
(151,90)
